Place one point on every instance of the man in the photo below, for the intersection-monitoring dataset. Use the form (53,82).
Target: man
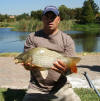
(50,85)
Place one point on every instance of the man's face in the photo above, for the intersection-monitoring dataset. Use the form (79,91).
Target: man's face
(50,21)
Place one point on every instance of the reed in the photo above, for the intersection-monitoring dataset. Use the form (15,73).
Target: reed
(34,25)
(28,25)
(66,25)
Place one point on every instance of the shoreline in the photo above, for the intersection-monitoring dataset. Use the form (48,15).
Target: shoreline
(11,54)
(76,27)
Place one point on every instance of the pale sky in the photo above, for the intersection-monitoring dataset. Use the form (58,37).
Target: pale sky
(15,7)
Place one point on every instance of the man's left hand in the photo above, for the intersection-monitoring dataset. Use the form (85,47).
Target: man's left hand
(59,66)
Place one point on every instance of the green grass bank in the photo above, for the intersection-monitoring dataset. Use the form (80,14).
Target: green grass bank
(13,54)
(93,27)
(17,95)
(34,25)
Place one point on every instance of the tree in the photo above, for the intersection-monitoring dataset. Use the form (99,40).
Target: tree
(22,16)
(78,12)
(4,17)
(36,14)
(94,6)
(87,13)
(63,10)
(98,17)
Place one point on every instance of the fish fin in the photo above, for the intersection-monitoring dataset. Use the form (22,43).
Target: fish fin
(73,68)
(40,68)
(75,59)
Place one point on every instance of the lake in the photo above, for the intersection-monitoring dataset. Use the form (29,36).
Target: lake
(12,41)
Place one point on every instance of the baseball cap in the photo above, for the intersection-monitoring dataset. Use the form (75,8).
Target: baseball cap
(51,8)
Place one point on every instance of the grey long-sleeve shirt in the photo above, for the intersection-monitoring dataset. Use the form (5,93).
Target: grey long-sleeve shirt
(59,42)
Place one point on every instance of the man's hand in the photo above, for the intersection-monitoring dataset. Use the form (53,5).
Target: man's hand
(59,66)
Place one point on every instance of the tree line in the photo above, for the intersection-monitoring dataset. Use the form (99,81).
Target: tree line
(89,13)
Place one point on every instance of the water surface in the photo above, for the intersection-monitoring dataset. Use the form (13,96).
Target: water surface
(12,41)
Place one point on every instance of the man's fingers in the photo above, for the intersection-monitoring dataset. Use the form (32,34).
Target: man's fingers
(61,63)
(58,66)
(53,68)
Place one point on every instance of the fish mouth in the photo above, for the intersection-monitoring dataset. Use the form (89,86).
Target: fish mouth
(16,61)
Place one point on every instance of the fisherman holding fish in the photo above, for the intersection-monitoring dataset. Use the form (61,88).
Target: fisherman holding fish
(50,85)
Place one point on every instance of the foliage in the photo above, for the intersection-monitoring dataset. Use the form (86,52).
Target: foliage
(66,25)
(63,12)
(78,12)
(7,24)
(36,14)
(34,25)
(28,25)
(87,13)
(98,17)
(22,16)
(3,17)
(67,13)
(86,27)
(95,7)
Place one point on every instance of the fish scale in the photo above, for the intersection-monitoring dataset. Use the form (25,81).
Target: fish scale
(45,58)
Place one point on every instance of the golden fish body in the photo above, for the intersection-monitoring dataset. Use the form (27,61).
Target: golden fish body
(44,58)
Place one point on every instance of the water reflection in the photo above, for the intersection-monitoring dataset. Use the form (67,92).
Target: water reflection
(89,42)
(86,41)
(12,41)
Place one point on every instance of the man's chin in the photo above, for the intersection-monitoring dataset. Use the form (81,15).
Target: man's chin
(50,28)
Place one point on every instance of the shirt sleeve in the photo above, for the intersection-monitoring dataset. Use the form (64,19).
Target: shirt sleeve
(70,47)
(29,42)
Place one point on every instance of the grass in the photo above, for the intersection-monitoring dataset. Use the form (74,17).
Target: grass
(87,94)
(8,24)
(86,27)
(17,95)
(9,54)
(88,53)
(13,54)
(11,94)
(28,25)
(34,25)
(66,25)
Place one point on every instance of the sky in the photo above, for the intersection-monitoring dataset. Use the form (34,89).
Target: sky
(16,7)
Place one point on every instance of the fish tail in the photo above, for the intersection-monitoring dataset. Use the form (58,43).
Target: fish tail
(75,59)
(73,66)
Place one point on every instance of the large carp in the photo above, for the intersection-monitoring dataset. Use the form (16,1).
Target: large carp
(43,58)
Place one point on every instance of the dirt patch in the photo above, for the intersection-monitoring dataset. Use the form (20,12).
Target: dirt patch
(15,76)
